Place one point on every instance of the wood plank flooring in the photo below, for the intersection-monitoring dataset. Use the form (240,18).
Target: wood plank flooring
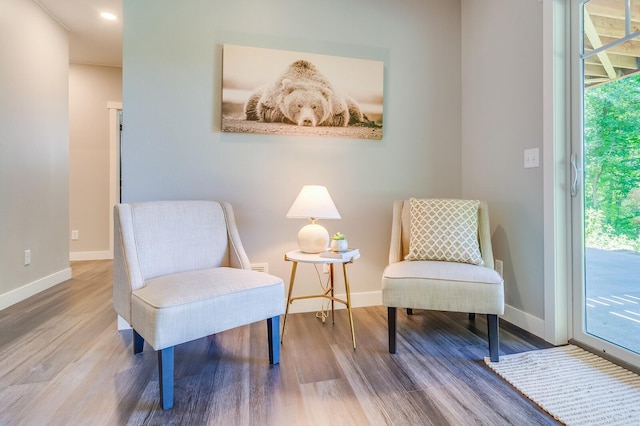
(64,363)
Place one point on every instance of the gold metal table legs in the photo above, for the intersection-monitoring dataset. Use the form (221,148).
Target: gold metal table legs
(328,294)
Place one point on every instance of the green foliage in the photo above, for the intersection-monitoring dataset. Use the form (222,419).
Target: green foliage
(598,234)
(612,162)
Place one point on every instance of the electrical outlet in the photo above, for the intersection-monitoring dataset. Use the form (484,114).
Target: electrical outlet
(499,266)
(27,257)
(75,234)
(531,158)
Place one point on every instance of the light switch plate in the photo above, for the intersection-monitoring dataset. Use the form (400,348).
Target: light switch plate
(531,158)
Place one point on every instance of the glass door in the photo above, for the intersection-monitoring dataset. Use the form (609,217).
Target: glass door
(606,176)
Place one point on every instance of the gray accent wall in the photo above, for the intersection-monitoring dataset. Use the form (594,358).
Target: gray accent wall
(173,147)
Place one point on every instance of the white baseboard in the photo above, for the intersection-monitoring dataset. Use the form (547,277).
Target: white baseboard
(525,321)
(19,294)
(90,255)
(123,324)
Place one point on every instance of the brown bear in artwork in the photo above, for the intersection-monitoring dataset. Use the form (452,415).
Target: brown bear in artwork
(301,95)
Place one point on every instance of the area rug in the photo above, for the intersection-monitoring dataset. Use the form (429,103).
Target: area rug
(574,386)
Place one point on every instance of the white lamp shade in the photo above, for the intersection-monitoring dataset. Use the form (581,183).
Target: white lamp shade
(313,202)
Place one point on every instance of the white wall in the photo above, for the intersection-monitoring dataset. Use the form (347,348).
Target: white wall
(91,87)
(34,185)
(502,111)
(173,147)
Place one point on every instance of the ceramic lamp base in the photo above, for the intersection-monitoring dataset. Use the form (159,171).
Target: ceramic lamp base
(313,238)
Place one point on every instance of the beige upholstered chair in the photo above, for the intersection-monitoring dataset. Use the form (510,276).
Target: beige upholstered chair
(441,285)
(181,273)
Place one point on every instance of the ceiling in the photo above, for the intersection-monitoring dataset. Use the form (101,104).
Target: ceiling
(604,23)
(92,39)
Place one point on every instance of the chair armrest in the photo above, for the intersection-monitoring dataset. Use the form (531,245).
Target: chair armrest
(484,235)
(395,247)
(237,256)
(127,275)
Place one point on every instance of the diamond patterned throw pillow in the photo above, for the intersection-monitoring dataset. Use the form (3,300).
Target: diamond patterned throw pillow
(444,230)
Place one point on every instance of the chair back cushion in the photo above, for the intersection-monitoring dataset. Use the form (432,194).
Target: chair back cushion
(443,229)
(401,232)
(177,236)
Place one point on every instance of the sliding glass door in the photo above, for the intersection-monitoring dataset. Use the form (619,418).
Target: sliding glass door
(605,181)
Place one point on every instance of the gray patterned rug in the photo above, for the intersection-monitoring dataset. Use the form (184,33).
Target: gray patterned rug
(574,386)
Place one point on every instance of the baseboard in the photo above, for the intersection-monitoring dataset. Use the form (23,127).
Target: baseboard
(358,300)
(90,255)
(123,324)
(19,294)
(525,321)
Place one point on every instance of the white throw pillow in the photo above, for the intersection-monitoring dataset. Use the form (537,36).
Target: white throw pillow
(444,230)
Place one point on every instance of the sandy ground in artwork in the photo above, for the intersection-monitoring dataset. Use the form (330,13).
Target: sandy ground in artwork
(240,125)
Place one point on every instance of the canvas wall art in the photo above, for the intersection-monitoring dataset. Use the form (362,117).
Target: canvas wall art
(295,93)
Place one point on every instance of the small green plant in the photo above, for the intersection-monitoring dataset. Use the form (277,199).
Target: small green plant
(338,236)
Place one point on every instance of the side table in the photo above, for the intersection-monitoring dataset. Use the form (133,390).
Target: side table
(297,256)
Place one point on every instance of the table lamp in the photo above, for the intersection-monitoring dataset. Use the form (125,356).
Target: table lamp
(313,203)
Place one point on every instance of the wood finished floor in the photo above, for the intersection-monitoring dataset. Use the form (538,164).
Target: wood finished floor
(64,363)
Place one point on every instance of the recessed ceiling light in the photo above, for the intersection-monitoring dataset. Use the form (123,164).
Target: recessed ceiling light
(109,16)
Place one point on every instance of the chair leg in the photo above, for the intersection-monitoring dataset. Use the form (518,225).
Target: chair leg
(138,343)
(392,316)
(165,366)
(273,331)
(472,316)
(409,311)
(494,340)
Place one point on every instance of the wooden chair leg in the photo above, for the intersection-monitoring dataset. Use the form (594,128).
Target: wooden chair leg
(165,366)
(494,340)
(138,343)
(273,332)
(392,315)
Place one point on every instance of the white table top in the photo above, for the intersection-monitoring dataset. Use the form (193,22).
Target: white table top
(299,256)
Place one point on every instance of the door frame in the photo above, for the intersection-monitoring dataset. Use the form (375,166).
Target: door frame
(577,307)
(115,109)
(556,200)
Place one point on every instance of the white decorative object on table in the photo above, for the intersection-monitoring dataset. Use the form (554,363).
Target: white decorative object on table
(339,242)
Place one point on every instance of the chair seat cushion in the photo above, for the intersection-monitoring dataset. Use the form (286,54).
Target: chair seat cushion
(177,308)
(444,286)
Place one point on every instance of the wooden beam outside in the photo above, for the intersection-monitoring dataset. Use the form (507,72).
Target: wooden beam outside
(612,27)
(628,48)
(613,9)
(593,70)
(591,33)
(618,61)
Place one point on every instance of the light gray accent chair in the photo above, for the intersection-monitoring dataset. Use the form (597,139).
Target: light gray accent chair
(441,285)
(181,273)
